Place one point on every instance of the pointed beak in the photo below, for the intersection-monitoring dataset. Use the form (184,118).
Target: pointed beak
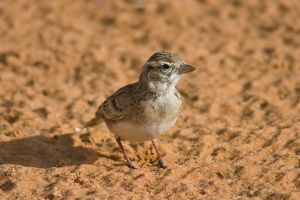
(186,69)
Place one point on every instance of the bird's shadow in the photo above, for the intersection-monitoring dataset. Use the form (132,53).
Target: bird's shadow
(44,152)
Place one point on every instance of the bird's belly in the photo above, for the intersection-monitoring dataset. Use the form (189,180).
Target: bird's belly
(139,133)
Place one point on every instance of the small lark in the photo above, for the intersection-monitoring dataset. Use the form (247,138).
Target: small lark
(148,108)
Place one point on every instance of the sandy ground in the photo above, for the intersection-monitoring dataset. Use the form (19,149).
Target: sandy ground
(238,135)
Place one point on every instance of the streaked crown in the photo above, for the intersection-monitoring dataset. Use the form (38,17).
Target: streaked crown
(166,57)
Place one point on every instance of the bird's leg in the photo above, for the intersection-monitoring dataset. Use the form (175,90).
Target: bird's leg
(160,160)
(129,164)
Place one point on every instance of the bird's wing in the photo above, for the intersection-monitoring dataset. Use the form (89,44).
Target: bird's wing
(118,105)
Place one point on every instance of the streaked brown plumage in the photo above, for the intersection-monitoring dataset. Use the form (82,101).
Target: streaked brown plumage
(148,108)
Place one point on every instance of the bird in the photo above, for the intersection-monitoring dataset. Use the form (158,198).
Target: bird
(146,109)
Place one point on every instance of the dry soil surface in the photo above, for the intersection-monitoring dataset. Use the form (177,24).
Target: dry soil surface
(238,135)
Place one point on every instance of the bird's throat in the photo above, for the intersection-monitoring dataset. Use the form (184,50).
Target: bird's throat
(158,86)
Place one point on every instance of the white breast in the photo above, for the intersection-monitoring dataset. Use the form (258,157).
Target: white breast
(133,133)
(150,118)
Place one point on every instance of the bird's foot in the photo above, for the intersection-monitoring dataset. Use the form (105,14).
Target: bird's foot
(130,165)
(161,164)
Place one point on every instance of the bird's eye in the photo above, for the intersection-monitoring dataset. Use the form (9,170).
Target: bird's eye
(165,66)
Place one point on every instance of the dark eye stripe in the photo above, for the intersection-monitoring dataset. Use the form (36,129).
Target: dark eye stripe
(151,68)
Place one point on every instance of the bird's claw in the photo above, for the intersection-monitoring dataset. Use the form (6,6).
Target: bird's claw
(130,165)
(161,164)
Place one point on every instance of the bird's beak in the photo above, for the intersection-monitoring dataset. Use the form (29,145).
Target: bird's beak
(186,69)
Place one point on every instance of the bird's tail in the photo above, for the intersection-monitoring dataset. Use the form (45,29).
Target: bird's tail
(93,122)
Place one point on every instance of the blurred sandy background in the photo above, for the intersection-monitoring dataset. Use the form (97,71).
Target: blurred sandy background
(238,135)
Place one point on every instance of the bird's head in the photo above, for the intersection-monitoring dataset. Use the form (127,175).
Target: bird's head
(163,70)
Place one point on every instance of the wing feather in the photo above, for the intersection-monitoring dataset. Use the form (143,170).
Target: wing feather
(118,105)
